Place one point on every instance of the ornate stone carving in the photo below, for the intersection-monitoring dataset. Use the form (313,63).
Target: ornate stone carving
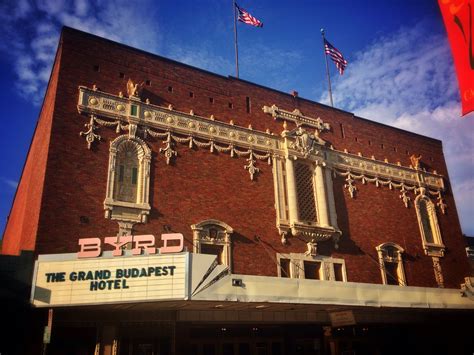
(168,150)
(132,89)
(90,135)
(214,232)
(365,167)
(251,166)
(349,185)
(406,199)
(297,117)
(438,272)
(304,142)
(311,248)
(125,228)
(199,129)
(467,288)
(175,127)
(121,205)
(415,161)
(440,201)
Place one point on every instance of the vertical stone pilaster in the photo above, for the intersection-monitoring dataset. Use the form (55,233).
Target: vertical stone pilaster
(438,272)
(321,198)
(292,196)
(330,195)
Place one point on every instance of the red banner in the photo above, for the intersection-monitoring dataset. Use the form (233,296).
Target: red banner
(458,19)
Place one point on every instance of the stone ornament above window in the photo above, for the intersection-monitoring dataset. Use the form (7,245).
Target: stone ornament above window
(391,264)
(213,237)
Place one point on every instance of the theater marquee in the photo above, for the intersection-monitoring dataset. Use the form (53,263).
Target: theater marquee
(65,279)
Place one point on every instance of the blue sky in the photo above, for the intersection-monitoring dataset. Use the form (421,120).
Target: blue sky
(400,68)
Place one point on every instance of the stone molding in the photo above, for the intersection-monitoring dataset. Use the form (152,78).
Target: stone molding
(123,112)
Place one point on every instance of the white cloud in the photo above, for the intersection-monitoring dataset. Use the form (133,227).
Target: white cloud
(407,80)
(30,36)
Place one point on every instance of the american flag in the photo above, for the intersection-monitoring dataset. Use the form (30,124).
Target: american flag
(336,56)
(245,17)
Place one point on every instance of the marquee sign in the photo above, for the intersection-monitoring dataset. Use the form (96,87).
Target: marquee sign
(78,279)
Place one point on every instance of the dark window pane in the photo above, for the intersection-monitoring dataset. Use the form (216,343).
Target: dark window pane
(213,250)
(311,270)
(425,220)
(134,176)
(338,276)
(285,267)
(121,172)
(391,270)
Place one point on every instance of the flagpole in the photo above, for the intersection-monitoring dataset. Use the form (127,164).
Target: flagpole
(327,68)
(235,41)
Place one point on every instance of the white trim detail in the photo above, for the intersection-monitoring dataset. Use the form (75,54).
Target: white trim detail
(202,236)
(431,238)
(326,269)
(134,212)
(386,256)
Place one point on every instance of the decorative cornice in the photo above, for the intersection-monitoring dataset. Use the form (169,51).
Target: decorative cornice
(370,167)
(142,113)
(168,124)
(297,117)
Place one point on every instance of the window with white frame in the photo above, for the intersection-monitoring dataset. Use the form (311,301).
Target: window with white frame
(128,180)
(391,264)
(304,198)
(302,266)
(429,227)
(213,237)
(305,194)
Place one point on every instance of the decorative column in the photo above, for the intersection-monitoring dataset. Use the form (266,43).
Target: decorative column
(321,199)
(331,202)
(438,272)
(291,184)
(196,238)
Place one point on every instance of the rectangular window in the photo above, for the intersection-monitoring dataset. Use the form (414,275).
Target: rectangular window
(311,267)
(133,110)
(305,193)
(338,274)
(285,267)
(312,270)
(134,176)
(247,104)
(391,270)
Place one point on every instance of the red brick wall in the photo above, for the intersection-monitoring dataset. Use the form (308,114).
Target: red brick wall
(200,185)
(20,231)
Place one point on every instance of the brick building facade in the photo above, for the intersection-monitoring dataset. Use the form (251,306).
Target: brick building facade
(280,188)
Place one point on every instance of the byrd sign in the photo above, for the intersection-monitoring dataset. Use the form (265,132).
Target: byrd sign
(144,273)
(92,247)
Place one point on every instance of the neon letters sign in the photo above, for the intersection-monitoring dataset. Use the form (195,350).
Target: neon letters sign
(92,247)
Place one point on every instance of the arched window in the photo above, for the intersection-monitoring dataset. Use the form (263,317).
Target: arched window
(126,177)
(428,223)
(391,264)
(127,197)
(213,237)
